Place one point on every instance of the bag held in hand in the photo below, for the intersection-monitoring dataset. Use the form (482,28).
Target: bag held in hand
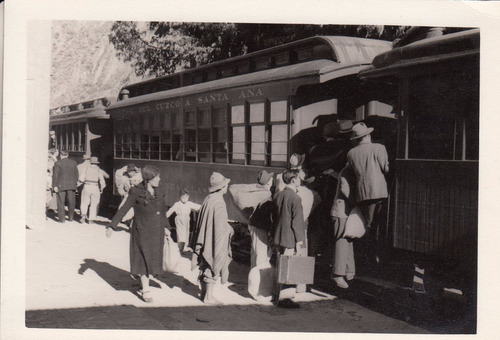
(171,255)
(355,226)
(296,269)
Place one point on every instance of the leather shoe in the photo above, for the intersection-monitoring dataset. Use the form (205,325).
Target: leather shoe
(339,280)
(287,303)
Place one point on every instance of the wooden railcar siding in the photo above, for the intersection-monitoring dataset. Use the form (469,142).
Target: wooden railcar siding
(437,206)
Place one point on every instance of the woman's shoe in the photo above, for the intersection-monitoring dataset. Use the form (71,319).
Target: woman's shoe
(146,296)
(339,280)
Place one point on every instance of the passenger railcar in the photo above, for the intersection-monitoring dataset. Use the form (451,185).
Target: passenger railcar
(434,196)
(86,128)
(244,114)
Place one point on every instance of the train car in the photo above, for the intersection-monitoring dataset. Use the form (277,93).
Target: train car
(244,114)
(433,214)
(86,128)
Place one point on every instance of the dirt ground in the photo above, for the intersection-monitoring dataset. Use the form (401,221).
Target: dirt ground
(78,278)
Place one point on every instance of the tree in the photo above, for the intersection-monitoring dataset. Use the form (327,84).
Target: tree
(160,48)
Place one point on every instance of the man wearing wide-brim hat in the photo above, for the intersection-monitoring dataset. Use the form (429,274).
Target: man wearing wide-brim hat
(369,162)
(211,239)
(93,184)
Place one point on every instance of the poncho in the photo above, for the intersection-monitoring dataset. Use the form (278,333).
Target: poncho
(212,235)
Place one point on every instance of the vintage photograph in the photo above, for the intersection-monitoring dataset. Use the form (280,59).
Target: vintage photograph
(257,177)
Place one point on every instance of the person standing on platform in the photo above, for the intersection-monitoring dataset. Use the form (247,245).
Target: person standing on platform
(344,201)
(93,185)
(370,162)
(147,234)
(64,183)
(211,240)
(182,210)
(289,229)
(260,222)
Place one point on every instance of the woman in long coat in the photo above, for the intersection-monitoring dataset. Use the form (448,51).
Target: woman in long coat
(148,229)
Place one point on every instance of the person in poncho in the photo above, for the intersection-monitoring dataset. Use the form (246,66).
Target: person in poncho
(211,239)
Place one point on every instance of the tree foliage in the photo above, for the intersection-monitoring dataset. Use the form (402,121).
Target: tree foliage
(160,48)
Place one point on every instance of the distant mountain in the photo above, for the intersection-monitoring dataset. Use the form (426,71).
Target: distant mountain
(84,65)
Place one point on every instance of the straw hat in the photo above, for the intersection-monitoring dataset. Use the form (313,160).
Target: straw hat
(94,160)
(264,177)
(217,182)
(360,130)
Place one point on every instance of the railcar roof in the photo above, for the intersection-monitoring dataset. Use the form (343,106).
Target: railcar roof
(320,71)
(95,108)
(85,113)
(342,50)
(430,50)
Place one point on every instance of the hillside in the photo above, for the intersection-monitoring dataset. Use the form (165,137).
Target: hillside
(84,65)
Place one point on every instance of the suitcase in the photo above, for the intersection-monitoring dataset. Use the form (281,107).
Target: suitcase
(296,269)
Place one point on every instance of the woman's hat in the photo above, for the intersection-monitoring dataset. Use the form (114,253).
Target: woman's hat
(217,182)
(132,167)
(94,160)
(296,160)
(360,130)
(264,177)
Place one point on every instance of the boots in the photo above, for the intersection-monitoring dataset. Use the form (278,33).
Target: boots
(208,297)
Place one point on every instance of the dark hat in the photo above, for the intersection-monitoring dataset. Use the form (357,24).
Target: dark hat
(345,126)
(217,182)
(360,130)
(94,160)
(296,160)
(132,167)
(330,130)
(264,177)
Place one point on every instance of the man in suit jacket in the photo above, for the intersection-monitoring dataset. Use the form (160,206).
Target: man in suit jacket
(289,229)
(64,183)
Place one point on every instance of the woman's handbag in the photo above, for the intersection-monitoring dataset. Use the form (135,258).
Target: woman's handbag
(171,255)
(355,226)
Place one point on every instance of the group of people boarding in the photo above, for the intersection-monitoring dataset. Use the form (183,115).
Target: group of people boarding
(280,205)
(278,222)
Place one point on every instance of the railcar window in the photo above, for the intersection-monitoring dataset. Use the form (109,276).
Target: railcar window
(238,134)
(190,136)
(279,132)
(257,113)
(257,134)
(136,137)
(219,133)
(64,136)
(279,140)
(203,135)
(127,138)
(154,145)
(81,136)
(442,122)
(145,137)
(278,111)
(70,137)
(118,137)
